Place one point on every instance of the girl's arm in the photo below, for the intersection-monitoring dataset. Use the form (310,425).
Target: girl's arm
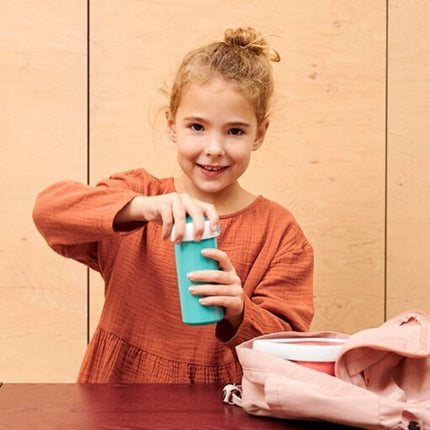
(73,217)
(282,301)
(70,213)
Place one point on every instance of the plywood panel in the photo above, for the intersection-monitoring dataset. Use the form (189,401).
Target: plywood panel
(324,155)
(408,237)
(42,139)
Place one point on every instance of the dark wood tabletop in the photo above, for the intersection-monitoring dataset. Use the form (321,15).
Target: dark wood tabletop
(134,406)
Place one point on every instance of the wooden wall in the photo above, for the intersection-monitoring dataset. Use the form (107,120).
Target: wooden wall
(43,138)
(408,157)
(345,151)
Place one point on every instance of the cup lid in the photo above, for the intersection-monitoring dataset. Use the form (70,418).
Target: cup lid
(189,232)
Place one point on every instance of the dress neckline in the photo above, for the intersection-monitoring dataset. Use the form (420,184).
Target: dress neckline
(246,208)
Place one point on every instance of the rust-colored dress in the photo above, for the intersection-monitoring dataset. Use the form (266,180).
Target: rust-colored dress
(140,336)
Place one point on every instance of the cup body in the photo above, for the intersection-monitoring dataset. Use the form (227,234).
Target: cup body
(189,258)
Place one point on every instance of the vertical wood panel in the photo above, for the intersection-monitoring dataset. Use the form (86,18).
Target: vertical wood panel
(42,138)
(408,270)
(324,157)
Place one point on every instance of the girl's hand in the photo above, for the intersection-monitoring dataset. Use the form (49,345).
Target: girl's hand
(168,210)
(220,287)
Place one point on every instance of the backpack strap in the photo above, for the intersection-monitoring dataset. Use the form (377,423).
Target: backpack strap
(232,394)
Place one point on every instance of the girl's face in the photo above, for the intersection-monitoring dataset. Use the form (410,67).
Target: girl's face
(215,130)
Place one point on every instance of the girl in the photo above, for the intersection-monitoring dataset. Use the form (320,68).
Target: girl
(217,116)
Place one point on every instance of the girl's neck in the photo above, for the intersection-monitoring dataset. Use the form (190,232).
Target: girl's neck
(229,200)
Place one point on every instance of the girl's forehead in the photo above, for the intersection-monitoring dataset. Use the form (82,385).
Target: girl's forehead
(216,102)
(214,92)
(214,83)
(214,89)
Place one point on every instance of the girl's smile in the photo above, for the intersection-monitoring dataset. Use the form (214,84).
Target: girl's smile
(211,170)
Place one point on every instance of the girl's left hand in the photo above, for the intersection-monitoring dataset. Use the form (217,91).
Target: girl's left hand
(220,287)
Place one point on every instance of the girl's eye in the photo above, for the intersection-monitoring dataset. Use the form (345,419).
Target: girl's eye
(236,131)
(196,127)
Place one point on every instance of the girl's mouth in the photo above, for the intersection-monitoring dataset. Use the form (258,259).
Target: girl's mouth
(211,170)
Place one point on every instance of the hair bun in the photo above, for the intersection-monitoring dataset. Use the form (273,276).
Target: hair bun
(249,38)
(241,36)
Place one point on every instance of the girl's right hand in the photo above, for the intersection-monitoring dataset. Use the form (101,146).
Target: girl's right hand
(168,210)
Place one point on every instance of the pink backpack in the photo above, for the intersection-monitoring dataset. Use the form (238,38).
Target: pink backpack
(382,379)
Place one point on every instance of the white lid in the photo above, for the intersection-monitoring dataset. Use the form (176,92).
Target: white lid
(321,349)
(189,232)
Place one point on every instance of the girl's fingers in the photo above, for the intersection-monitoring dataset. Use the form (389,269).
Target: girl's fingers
(233,304)
(212,277)
(228,302)
(220,256)
(195,211)
(172,209)
(198,211)
(219,287)
(216,290)
(179,215)
(212,216)
(167,222)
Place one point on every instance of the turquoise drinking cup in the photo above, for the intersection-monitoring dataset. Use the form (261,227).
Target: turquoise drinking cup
(189,258)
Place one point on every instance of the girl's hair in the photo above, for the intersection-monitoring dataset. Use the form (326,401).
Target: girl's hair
(242,59)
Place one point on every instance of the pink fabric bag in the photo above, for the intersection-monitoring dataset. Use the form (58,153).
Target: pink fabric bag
(382,378)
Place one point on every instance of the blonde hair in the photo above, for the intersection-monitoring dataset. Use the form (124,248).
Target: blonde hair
(241,59)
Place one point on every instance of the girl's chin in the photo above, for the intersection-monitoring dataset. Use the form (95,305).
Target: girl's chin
(210,187)
(210,190)
(197,185)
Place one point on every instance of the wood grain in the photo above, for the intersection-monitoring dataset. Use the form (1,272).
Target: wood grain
(42,135)
(136,406)
(408,225)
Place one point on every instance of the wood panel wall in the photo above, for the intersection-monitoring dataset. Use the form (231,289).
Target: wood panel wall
(408,156)
(345,150)
(43,307)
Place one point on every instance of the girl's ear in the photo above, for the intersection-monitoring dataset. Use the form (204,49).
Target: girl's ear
(171,126)
(261,133)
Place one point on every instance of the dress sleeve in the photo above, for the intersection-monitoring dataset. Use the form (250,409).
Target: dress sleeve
(282,300)
(74,217)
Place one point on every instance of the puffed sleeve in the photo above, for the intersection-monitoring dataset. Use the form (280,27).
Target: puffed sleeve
(72,217)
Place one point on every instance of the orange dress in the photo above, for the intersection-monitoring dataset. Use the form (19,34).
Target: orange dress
(140,336)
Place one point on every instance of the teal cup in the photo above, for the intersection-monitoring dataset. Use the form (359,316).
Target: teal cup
(189,258)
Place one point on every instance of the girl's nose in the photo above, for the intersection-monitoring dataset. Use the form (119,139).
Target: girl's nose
(215,147)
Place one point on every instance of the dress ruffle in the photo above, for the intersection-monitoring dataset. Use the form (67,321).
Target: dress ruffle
(110,359)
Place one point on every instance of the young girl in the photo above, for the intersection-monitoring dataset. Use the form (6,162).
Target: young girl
(218,115)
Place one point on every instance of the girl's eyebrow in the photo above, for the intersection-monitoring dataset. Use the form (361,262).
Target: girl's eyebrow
(230,124)
(194,118)
(239,124)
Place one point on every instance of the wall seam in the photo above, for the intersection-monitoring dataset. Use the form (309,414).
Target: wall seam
(88,154)
(387,8)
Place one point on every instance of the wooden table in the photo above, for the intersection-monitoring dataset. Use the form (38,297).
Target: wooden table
(135,406)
